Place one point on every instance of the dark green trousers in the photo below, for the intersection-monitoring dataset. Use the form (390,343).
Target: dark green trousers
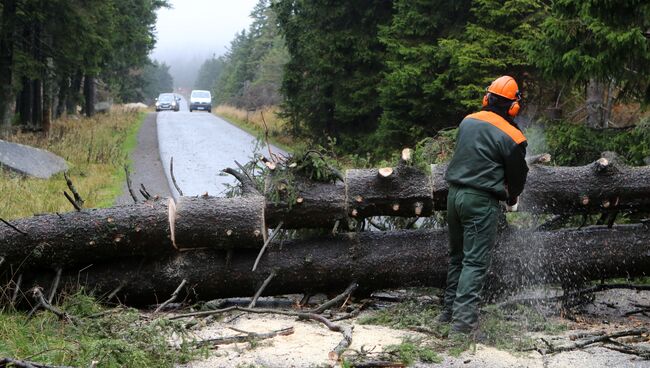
(472,215)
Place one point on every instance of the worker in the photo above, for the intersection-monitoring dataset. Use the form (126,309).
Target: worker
(488,166)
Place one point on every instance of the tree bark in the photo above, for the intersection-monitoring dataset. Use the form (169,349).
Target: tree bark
(7,30)
(96,235)
(374,259)
(595,104)
(204,221)
(89,95)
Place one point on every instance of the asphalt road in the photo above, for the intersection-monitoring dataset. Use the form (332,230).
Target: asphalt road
(202,145)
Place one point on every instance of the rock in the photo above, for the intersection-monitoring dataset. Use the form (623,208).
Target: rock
(29,160)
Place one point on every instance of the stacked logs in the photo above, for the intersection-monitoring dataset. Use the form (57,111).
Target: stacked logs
(148,248)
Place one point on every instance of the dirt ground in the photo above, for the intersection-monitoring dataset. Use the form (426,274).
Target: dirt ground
(311,342)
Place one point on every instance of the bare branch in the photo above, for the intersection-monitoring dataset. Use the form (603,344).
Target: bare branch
(171,172)
(261,289)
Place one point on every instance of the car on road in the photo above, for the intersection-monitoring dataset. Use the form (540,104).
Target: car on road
(200,100)
(167,101)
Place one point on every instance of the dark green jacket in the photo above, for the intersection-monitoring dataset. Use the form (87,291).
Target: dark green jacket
(490,155)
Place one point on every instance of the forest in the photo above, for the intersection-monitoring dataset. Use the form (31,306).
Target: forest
(379,75)
(61,54)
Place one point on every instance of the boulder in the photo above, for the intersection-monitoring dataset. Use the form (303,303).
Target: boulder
(30,161)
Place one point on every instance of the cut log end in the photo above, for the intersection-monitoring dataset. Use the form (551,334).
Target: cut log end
(396,207)
(418,208)
(407,155)
(584,200)
(171,205)
(299,200)
(358,199)
(354,213)
(606,204)
(601,164)
(385,172)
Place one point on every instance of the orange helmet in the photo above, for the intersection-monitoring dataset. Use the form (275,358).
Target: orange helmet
(505,87)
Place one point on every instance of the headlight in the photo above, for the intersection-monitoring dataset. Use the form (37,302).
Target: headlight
(157,103)
(174,103)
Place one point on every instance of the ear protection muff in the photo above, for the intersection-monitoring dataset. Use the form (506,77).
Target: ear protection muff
(514,109)
(515,106)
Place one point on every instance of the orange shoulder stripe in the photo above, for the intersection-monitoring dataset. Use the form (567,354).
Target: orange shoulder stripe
(501,123)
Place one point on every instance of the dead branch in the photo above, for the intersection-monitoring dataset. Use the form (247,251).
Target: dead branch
(273,235)
(13,227)
(10,362)
(17,290)
(378,364)
(247,337)
(55,285)
(173,297)
(171,173)
(337,300)
(72,201)
(129,185)
(573,295)
(144,192)
(596,339)
(627,349)
(37,294)
(346,331)
(77,198)
(248,186)
(261,289)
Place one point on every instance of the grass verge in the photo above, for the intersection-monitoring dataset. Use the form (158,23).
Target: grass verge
(252,122)
(124,339)
(96,150)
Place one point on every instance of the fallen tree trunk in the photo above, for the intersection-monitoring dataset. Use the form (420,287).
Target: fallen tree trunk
(198,222)
(374,259)
(58,240)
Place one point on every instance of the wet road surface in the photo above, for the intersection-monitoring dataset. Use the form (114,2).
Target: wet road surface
(202,145)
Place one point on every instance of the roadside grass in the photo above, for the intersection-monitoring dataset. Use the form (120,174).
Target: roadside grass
(123,339)
(252,122)
(96,150)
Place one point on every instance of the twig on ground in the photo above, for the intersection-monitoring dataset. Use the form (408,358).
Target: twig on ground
(249,336)
(37,294)
(346,331)
(55,285)
(10,362)
(173,297)
(13,227)
(596,339)
(573,295)
(129,184)
(627,349)
(261,289)
(171,172)
(266,243)
(352,314)
(336,300)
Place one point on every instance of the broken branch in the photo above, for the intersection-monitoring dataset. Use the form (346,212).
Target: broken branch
(173,297)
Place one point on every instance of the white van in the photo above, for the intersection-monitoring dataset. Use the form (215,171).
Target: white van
(200,100)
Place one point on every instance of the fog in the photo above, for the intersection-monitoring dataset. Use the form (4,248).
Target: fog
(194,30)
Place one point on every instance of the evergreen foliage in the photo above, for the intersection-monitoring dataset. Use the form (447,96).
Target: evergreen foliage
(157,79)
(250,74)
(49,49)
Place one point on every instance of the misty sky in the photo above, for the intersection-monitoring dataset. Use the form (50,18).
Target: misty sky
(193,30)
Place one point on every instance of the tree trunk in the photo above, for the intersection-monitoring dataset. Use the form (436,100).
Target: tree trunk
(595,104)
(7,30)
(73,95)
(89,95)
(59,240)
(374,259)
(204,221)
